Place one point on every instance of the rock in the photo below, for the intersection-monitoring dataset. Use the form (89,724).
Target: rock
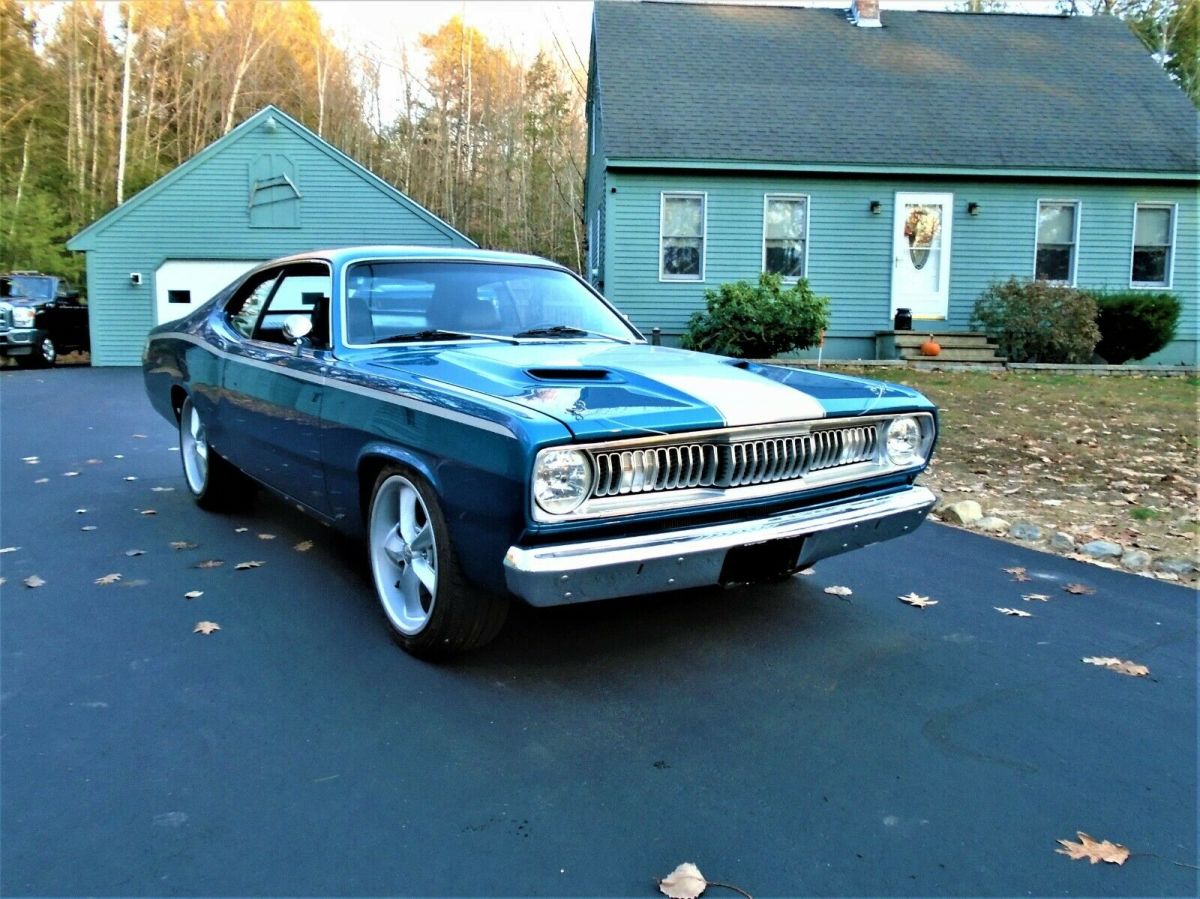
(1174,566)
(1135,560)
(1102,549)
(1024,530)
(964,512)
(1062,541)
(992,524)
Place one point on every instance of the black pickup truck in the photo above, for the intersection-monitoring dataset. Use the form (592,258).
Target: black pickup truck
(41,316)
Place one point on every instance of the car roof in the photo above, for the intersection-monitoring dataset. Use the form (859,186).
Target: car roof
(343,255)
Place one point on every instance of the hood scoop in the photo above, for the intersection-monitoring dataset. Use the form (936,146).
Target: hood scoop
(559,375)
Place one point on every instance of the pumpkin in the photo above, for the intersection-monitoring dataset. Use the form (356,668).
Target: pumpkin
(930,347)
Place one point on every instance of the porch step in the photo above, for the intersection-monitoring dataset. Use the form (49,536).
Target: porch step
(957,346)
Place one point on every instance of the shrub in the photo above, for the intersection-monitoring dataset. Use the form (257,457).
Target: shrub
(758,321)
(1033,321)
(1133,324)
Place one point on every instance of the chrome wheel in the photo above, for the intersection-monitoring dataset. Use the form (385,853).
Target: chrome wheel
(403,549)
(48,351)
(193,444)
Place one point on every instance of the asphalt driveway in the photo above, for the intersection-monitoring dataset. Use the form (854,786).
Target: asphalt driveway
(786,740)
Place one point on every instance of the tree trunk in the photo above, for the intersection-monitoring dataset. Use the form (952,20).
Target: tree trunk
(123,143)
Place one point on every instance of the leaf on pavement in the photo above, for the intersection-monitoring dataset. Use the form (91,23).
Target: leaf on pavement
(94,461)
(139,436)
(88,527)
(836,590)
(1016,613)
(107,579)
(161,489)
(1133,669)
(1079,589)
(266,536)
(246,566)
(182,544)
(1018,574)
(70,474)
(205,627)
(920,602)
(685,882)
(42,481)
(1094,850)
(240,530)
(8,549)
(1035,597)
(807,571)
(30,460)
(135,552)
(149,512)
(131,477)
(303,546)
(81,511)
(210,563)
(34,581)
(193,594)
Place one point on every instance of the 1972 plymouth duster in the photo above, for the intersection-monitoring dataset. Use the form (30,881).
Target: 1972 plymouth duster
(494,428)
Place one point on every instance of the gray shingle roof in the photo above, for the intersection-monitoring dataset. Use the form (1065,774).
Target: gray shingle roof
(796,85)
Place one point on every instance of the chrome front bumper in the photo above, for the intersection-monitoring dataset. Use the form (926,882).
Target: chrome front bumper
(694,557)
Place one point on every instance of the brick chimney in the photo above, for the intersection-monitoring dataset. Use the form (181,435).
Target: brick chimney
(865,13)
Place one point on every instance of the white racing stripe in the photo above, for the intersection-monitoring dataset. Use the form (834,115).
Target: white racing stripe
(743,398)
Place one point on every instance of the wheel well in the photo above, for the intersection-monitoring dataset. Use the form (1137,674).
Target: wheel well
(178,395)
(368,473)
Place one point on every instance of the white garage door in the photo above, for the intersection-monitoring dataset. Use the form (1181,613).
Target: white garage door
(180,285)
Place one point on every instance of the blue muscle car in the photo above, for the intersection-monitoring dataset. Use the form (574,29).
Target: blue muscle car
(494,428)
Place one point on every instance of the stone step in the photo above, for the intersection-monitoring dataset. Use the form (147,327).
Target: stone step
(954,354)
(943,340)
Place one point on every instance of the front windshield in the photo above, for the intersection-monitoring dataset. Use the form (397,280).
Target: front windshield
(27,286)
(391,301)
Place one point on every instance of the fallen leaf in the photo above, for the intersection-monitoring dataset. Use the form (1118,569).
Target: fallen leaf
(919,601)
(149,512)
(240,530)
(266,536)
(131,477)
(88,527)
(162,489)
(205,627)
(210,563)
(70,474)
(1036,597)
(245,566)
(107,579)
(182,544)
(139,436)
(193,594)
(305,545)
(807,571)
(3,581)
(34,581)
(93,461)
(8,549)
(135,552)
(42,481)
(1018,574)
(1121,667)
(81,511)
(839,591)
(1094,850)
(1079,589)
(685,882)
(1018,613)
(30,460)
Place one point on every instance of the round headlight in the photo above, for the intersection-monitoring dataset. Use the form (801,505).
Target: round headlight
(562,480)
(904,441)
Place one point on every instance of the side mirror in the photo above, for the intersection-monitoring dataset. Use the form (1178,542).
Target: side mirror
(296,328)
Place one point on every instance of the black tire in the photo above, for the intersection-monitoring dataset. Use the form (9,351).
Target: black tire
(408,546)
(214,483)
(44,354)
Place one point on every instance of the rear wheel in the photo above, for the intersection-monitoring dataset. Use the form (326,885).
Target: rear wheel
(214,483)
(432,609)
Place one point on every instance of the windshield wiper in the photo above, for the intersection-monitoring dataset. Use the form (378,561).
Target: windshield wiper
(438,334)
(565,331)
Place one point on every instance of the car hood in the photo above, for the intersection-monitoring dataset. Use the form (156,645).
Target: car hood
(602,390)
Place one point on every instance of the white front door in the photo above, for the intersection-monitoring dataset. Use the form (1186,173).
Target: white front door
(921,254)
(181,285)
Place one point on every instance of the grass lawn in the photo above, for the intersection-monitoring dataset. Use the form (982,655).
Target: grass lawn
(1097,458)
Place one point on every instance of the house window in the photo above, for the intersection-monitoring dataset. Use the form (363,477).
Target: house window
(785,235)
(1153,240)
(1057,236)
(681,237)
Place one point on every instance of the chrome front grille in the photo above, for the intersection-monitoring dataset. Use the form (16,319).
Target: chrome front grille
(5,316)
(733,463)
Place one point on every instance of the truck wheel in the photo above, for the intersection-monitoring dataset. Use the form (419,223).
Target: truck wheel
(214,483)
(431,608)
(44,353)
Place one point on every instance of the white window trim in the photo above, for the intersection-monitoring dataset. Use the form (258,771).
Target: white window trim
(662,208)
(1146,285)
(1037,211)
(767,198)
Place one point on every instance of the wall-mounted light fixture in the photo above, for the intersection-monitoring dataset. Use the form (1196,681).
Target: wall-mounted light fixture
(974,209)
(271,125)
(135,278)
(876,207)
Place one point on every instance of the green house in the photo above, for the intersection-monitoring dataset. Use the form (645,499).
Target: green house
(268,188)
(895,160)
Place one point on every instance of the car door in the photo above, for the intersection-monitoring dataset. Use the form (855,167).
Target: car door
(68,318)
(272,390)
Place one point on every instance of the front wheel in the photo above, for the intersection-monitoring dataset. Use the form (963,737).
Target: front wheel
(214,483)
(432,609)
(43,356)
